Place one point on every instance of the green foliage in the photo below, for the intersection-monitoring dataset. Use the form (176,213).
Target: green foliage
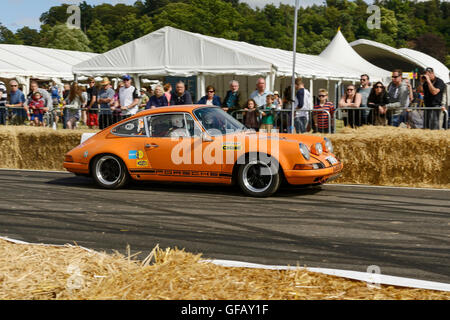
(61,37)
(28,36)
(7,36)
(403,23)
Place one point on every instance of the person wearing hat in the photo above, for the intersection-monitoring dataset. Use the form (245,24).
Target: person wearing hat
(105,97)
(433,90)
(128,99)
(144,99)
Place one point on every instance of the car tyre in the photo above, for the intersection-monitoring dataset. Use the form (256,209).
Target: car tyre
(110,172)
(259,178)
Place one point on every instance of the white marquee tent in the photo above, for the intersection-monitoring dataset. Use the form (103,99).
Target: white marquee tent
(25,62)
(405,58)
(339,51)
(173,52)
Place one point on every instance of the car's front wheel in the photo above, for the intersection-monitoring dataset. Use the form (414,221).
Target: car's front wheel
(110,172)
(259,178)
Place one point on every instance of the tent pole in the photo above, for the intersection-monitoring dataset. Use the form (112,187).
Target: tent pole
(137,81)
(294,54)
(200,86)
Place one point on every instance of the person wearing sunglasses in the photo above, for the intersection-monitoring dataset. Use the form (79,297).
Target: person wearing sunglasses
(398,93)
(210,99)
(16,103)
(378,100)
(321,121)
(351,100)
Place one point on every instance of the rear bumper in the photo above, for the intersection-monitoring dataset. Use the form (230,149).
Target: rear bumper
(76,167)
(299,177)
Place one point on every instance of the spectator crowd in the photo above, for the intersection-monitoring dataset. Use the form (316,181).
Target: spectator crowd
(99,105)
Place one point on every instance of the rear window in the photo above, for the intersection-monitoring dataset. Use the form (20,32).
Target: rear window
(134,127)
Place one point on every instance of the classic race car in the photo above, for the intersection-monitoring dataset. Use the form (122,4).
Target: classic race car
(201,144)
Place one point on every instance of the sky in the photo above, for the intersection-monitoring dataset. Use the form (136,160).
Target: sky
(15,14)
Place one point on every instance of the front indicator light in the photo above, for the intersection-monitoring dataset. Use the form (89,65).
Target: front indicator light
(308,166)
(68,158)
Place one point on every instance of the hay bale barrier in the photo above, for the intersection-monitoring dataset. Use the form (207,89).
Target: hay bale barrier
(392,156)
(372,155)
(34,272)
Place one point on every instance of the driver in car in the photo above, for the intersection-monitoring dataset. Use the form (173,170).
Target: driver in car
(178,129)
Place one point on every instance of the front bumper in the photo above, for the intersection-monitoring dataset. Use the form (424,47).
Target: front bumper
(299,177)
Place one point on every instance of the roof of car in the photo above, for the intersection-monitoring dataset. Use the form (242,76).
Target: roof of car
(184,108)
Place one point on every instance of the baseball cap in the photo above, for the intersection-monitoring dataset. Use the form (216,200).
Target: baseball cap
(126,77)
(429,69)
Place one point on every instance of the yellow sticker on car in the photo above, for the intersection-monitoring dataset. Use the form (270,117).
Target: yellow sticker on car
(231,146)
(142,163)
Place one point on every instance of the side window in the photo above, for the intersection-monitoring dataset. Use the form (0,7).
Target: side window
(134,127)
(167,126)
(192,127)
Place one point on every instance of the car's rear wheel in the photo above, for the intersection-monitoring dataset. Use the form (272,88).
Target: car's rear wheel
(259,178)
(110,172)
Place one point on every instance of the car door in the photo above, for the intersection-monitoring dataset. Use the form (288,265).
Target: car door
(175,147)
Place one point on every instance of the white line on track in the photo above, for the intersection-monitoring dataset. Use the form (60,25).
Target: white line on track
(370,278)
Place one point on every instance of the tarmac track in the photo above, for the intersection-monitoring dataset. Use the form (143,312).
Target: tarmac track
(404,231)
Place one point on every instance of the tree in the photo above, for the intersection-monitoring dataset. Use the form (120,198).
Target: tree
(98,36)
(209,17)
(7,36)
(28,36)
(433,45)
(61,37)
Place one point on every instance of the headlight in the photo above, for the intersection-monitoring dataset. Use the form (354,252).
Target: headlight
(329,145)
(317,149)
(304,150)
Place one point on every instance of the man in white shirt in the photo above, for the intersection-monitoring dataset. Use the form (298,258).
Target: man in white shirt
(129,98)
(260,94)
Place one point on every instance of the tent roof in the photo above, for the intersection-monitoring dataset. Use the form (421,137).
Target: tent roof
(20,60)
(339,51)
(392,58)
(170,51)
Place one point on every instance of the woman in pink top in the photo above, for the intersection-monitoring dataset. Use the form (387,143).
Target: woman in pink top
(168,91)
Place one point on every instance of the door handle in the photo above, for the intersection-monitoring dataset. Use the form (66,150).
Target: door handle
(151,146)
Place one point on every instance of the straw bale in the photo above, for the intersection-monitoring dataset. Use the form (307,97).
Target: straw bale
(72,273)
(371,155)
(393,156)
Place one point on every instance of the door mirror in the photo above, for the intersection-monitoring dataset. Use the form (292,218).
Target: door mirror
(206,137)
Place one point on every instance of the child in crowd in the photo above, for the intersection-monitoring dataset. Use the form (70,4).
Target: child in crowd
(267,120)
(36,108)
(321,119)
(251,115)
(277,100)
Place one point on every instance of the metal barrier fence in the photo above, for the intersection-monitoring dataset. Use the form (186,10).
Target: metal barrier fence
(355,117)
(417,117)
(19,116)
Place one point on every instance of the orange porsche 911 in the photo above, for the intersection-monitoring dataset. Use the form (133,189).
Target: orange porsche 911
(201,144)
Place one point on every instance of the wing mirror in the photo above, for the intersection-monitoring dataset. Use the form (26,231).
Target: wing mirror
(206,137)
